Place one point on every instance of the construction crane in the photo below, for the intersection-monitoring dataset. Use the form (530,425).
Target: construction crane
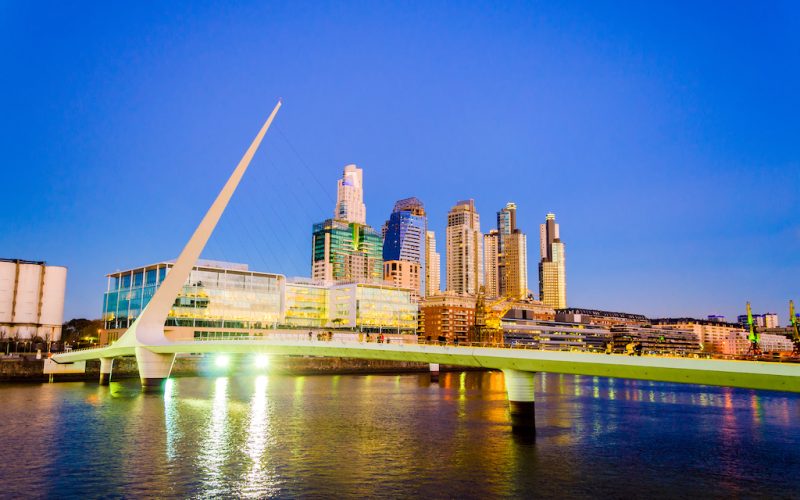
(488,318)
(754,337)
(795,330)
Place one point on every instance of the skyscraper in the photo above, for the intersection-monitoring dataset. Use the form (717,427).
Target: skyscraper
(464,249)
(515,260)
(404,245)
(552,270)
(432,266)
(346,251)
(350,196)
(345,247)
(491,267)
(506,257)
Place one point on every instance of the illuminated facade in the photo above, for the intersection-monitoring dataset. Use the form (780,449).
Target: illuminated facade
(552,267)
(346,251)
(224,299)
(306,304)
(216,295)
(515,266)
(464,249)
(372,308)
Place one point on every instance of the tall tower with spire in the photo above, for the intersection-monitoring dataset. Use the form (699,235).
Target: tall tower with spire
(350,196)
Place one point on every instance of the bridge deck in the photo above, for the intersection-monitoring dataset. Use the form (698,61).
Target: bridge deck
(744,374)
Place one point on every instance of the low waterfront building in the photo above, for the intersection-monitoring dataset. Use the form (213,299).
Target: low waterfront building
(655,340)
(227,299)
(738,343)
(553,335)
(372,308)
(714,336)
(31,300)
(599,318)
(223,296)
(448,316)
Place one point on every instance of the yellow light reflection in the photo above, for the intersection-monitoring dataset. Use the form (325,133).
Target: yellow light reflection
(260,479)
(171,416)
(212,454)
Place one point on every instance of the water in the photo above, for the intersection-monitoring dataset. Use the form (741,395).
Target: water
(395,436)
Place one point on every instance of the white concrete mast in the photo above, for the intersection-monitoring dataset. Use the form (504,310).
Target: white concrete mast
(148,328)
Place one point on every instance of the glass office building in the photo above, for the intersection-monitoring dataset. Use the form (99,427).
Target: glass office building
(216,295)
(222,299)
(346,251)
(372,308)
(306,304)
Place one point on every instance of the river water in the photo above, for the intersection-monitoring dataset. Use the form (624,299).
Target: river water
(395,436)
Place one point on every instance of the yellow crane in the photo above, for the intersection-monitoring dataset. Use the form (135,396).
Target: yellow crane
(753,337)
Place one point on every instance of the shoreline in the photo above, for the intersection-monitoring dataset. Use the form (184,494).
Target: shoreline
(21,370)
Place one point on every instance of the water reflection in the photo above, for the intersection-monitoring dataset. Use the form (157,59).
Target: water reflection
(214,446)
(392,435)
(260,479)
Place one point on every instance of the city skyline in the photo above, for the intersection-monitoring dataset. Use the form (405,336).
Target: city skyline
(656,158)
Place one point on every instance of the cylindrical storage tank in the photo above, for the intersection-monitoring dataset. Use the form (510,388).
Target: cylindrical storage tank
(55,285)
(26,310)
(7,273)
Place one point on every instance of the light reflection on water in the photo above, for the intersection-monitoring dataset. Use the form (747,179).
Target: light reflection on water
(393,435)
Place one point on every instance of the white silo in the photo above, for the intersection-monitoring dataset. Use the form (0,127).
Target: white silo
(31,299)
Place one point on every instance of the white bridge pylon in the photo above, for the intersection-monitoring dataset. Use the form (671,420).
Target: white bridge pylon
(148,328)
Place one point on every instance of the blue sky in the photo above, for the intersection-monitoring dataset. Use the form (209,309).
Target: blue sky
(664,135)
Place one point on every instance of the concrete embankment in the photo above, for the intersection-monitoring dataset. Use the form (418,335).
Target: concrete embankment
(14,369)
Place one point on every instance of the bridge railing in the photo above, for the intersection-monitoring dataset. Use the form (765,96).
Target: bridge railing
(388,340)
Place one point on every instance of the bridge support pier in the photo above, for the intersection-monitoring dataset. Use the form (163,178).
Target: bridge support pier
(106,364)
(434,368)
(520,387)
(154,368)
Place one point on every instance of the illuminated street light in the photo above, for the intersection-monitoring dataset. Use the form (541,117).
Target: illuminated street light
(222,361)
(262,361)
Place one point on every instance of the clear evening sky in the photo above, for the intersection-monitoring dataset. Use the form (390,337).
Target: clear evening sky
(665,136)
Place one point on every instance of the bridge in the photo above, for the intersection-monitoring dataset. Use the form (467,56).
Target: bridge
(155,353)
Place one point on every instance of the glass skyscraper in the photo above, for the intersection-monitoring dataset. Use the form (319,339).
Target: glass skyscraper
(404,245)
(346,251)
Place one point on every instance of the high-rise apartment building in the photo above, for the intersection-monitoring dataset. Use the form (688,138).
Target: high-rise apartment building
(515,265)
(491,267)
(464,249)
(350,196)
(404,245)
(552,270)
(432,266)
(506,257)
